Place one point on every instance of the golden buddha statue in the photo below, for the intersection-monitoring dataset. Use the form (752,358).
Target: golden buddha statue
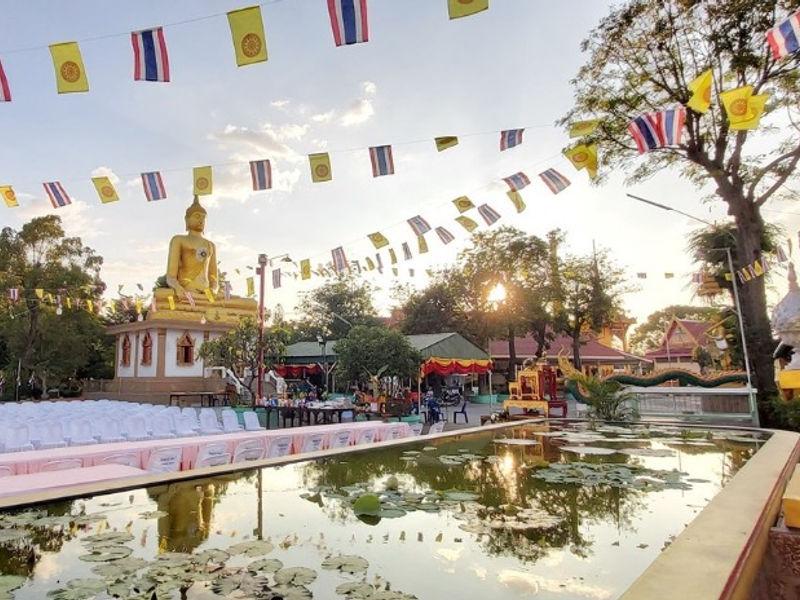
(192,280)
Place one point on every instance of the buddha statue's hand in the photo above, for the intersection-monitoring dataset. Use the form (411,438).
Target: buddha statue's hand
(180,291)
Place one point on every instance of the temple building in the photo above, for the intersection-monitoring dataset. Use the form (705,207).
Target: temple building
(682,340)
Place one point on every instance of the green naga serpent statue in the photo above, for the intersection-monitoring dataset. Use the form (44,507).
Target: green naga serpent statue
(681,376)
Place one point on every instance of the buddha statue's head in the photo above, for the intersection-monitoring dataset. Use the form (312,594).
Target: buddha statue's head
(195,217)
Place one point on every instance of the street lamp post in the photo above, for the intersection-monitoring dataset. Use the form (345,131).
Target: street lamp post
(262,269)
(324,353)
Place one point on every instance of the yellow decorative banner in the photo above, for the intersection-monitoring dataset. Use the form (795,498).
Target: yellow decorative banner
(701,88)
(465,8)
(516,200)
(583,156)
(463,204)
(9,196)
(320,167)
(39,293)
(467,223)
(68,64)
(443,143)
(203,181)
(251,287)
(422,243)
(378,240)
(743,109)
(89,306)
(370,264)
(69,302)
(105,189)
(305,269)
(247,30)
(138,305)
(582,128)
(392,256)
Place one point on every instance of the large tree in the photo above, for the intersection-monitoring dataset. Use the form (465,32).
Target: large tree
(336,306)
(40,332)
(642,58)
(648,335)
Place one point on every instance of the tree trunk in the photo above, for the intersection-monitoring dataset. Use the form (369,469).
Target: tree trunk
(512,354)
(753,299)
(576,349)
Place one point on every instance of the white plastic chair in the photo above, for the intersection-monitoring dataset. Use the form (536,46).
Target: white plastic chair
(80,433)
(313,442)
(164,460)
(18,438)
(416,428)
(61,465)
(365,436)
(251,421)
(191,414)
(212,454)
(230,422)
(136,429)
(209,422)
(184,426)
(110,431)
(249,450)
(52,436)
(162,427)
(130,459)
(341,438)
(437,427)
(280,446)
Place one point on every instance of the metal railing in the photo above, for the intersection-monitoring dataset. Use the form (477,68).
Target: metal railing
(693,403)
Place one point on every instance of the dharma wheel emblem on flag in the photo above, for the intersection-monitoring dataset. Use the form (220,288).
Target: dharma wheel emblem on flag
(108,192)
(251,45)
(9,194)
(202,183)
(321,170)
(580,157)
(70,71)
(739,107)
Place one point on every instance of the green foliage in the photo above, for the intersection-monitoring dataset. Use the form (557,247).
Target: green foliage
(333,308)
(648,335)
(438,309)
(606,398)
(785,414)
(703,358)
(51,346)
(370,352)
(238,350)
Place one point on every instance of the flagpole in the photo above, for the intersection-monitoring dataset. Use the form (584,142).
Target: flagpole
(262,268)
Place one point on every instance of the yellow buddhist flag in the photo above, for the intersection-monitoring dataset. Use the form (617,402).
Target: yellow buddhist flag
(171,301)
(728,277)
(582,128)
(463,204)
(516,200)
(370,264)
(89,306)
(378,240)
(320,167)
(305,269)
(209,295)
(701,88)
(105,189)
(744,110)
(39,293)
(48,297)
(467,223)
(69,302)
(422,243)
(392,256)
(251,287)
(9,196)
(758,269)
(203,182)
(112,307)
(70,74)
(583,156)
(465,8)
(443,143)
(249,40)
(138,305)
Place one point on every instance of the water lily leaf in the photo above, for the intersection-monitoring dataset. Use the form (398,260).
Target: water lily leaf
(108,537)
(459,496)
(391,513)
(88,519)
(79,589)
(212,555)
(265,565)
(8,536)
(357,590)
(654,452)
(46,522)
(295,576)
(429,448)
(588,450)
(9,583)
(106,553)
(292,592)
(252,549)
(367,504)
(153,514)
(173,559)
(119,569)
(346,563)
(517,442)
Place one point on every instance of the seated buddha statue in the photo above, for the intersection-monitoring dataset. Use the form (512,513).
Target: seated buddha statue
(192,279)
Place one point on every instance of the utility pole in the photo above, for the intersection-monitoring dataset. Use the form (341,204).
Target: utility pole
(262,269)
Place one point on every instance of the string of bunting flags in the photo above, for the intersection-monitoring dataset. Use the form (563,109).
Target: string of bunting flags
(349,20)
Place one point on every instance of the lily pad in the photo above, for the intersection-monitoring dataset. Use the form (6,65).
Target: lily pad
(252,549)
(106,553)
(265,565)
(459,496)
(79,589)
(346,563)
(119,569)
(357,590)
(517,442)
(154,514)
(295,576)
(292,592)
(108,537)
(654,452)
(212,555)
(588,450)
(8,536)
(9,583)
(367,504)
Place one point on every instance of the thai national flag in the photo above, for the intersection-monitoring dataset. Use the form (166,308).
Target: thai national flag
(784,38)
(444,235)
(510,138)
(153,186)
(554,180)
(13,294)
(58,197)
(517,181)
(349,21)
(646,132)
(489,214)
(672,125)
(339,260)
(406,251)
(150,60)
(382,161)
(419,225)
(261,173)
(5,91)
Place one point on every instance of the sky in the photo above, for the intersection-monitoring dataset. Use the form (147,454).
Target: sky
(420,76)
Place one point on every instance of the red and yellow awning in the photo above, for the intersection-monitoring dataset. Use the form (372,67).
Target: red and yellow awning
(455,366)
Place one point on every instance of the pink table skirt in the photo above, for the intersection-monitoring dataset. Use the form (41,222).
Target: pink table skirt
(37,482)
(208,449)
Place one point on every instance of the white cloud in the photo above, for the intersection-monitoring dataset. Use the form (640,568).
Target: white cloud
(266,141)
(323,117)
(78,219)
(280,103)
(106,172)
(358,112)
(292,131)
(370,89)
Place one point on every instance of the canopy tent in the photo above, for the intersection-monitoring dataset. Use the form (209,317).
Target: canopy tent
(447,366)
(297,371)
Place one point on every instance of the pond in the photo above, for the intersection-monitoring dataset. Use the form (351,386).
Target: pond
(554,511)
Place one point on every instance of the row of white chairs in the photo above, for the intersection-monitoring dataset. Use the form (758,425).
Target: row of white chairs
(49,431)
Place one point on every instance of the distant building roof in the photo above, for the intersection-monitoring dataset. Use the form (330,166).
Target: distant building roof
(442,345)
(697,330)
(591,349)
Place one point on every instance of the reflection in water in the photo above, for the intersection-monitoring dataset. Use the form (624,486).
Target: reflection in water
(470,510)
